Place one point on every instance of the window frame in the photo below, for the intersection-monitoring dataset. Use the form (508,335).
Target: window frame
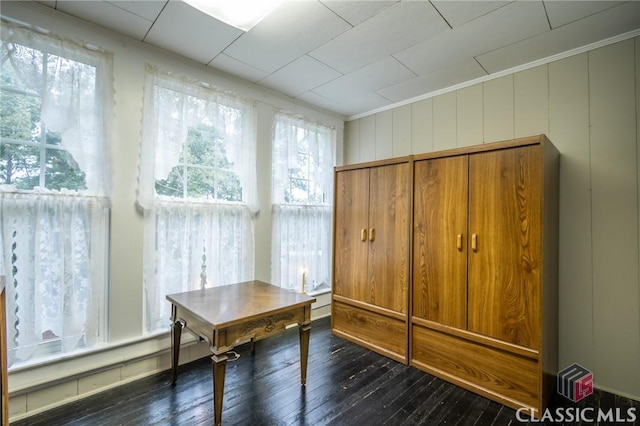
(98,197)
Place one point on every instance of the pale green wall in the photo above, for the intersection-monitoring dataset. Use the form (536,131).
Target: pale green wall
(589,106)
(130,354)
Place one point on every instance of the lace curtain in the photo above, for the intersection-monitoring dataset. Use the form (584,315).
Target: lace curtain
(194,246)
(77,100)
(303,161)
(56,283)
(197,237)
(53,241)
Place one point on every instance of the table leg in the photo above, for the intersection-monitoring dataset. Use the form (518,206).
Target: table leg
(305,332)
(176,332)
(219,369)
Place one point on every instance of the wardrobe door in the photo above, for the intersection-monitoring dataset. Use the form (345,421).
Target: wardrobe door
(440,240)
(505,261)
(389,215)
(351,233)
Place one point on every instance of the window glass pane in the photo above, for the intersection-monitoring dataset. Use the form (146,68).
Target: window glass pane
(19,114)
(23,67)
(62,171)
(228,186)
(23,83)
(19,165)
(173,185)
(209,173)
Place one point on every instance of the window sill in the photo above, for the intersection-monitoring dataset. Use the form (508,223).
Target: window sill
(319,292)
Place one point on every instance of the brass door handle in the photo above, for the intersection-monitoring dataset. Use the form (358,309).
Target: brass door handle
(363,235)
(372,234)
(459,242)
(474,242)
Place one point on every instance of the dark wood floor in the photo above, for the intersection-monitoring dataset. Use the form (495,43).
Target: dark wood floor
(347,385)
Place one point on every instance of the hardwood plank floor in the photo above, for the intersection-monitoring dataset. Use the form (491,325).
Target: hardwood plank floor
(346,385)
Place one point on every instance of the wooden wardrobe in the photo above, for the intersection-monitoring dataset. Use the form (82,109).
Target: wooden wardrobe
(482,302)
(372,218)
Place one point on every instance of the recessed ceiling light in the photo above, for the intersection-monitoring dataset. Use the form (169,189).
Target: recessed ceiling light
(242,14)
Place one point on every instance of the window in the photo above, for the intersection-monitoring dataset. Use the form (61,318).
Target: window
(55,102)
(303,160)
(197,189)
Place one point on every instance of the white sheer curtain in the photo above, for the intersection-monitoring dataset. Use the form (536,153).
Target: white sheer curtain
(56,281)
(193,241)
(53,242)
(302,196)
(77,100)
(194,246)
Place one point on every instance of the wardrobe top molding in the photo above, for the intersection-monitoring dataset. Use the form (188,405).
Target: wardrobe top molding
(491,146)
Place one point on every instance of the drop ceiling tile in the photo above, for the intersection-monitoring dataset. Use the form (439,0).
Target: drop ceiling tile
(322,102)
(301,75)
(147,9)
(380,74)
(451,76)
(506,25)
(293,29)
(460,12)
(184,29)
(563,12)
(237,68)
(398,27)
(353,105)
(355,12)
(107,15)
(606,24)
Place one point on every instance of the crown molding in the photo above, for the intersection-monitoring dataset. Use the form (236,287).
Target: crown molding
(513,70)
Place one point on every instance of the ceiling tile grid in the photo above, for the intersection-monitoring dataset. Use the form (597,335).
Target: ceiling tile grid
(353,57)
(397,27)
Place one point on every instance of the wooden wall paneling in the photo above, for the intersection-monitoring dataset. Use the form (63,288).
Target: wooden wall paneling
(401,128)
(569,131)
(422,126)
(384,135)
(470,116)
(444,121)
(531,102)
(615,216)
(367,138)
(351,142)
(440,240)
(498,109)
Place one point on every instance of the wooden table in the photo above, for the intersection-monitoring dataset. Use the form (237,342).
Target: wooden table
(229,315)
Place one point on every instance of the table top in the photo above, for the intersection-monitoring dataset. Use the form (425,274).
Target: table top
(232,304)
